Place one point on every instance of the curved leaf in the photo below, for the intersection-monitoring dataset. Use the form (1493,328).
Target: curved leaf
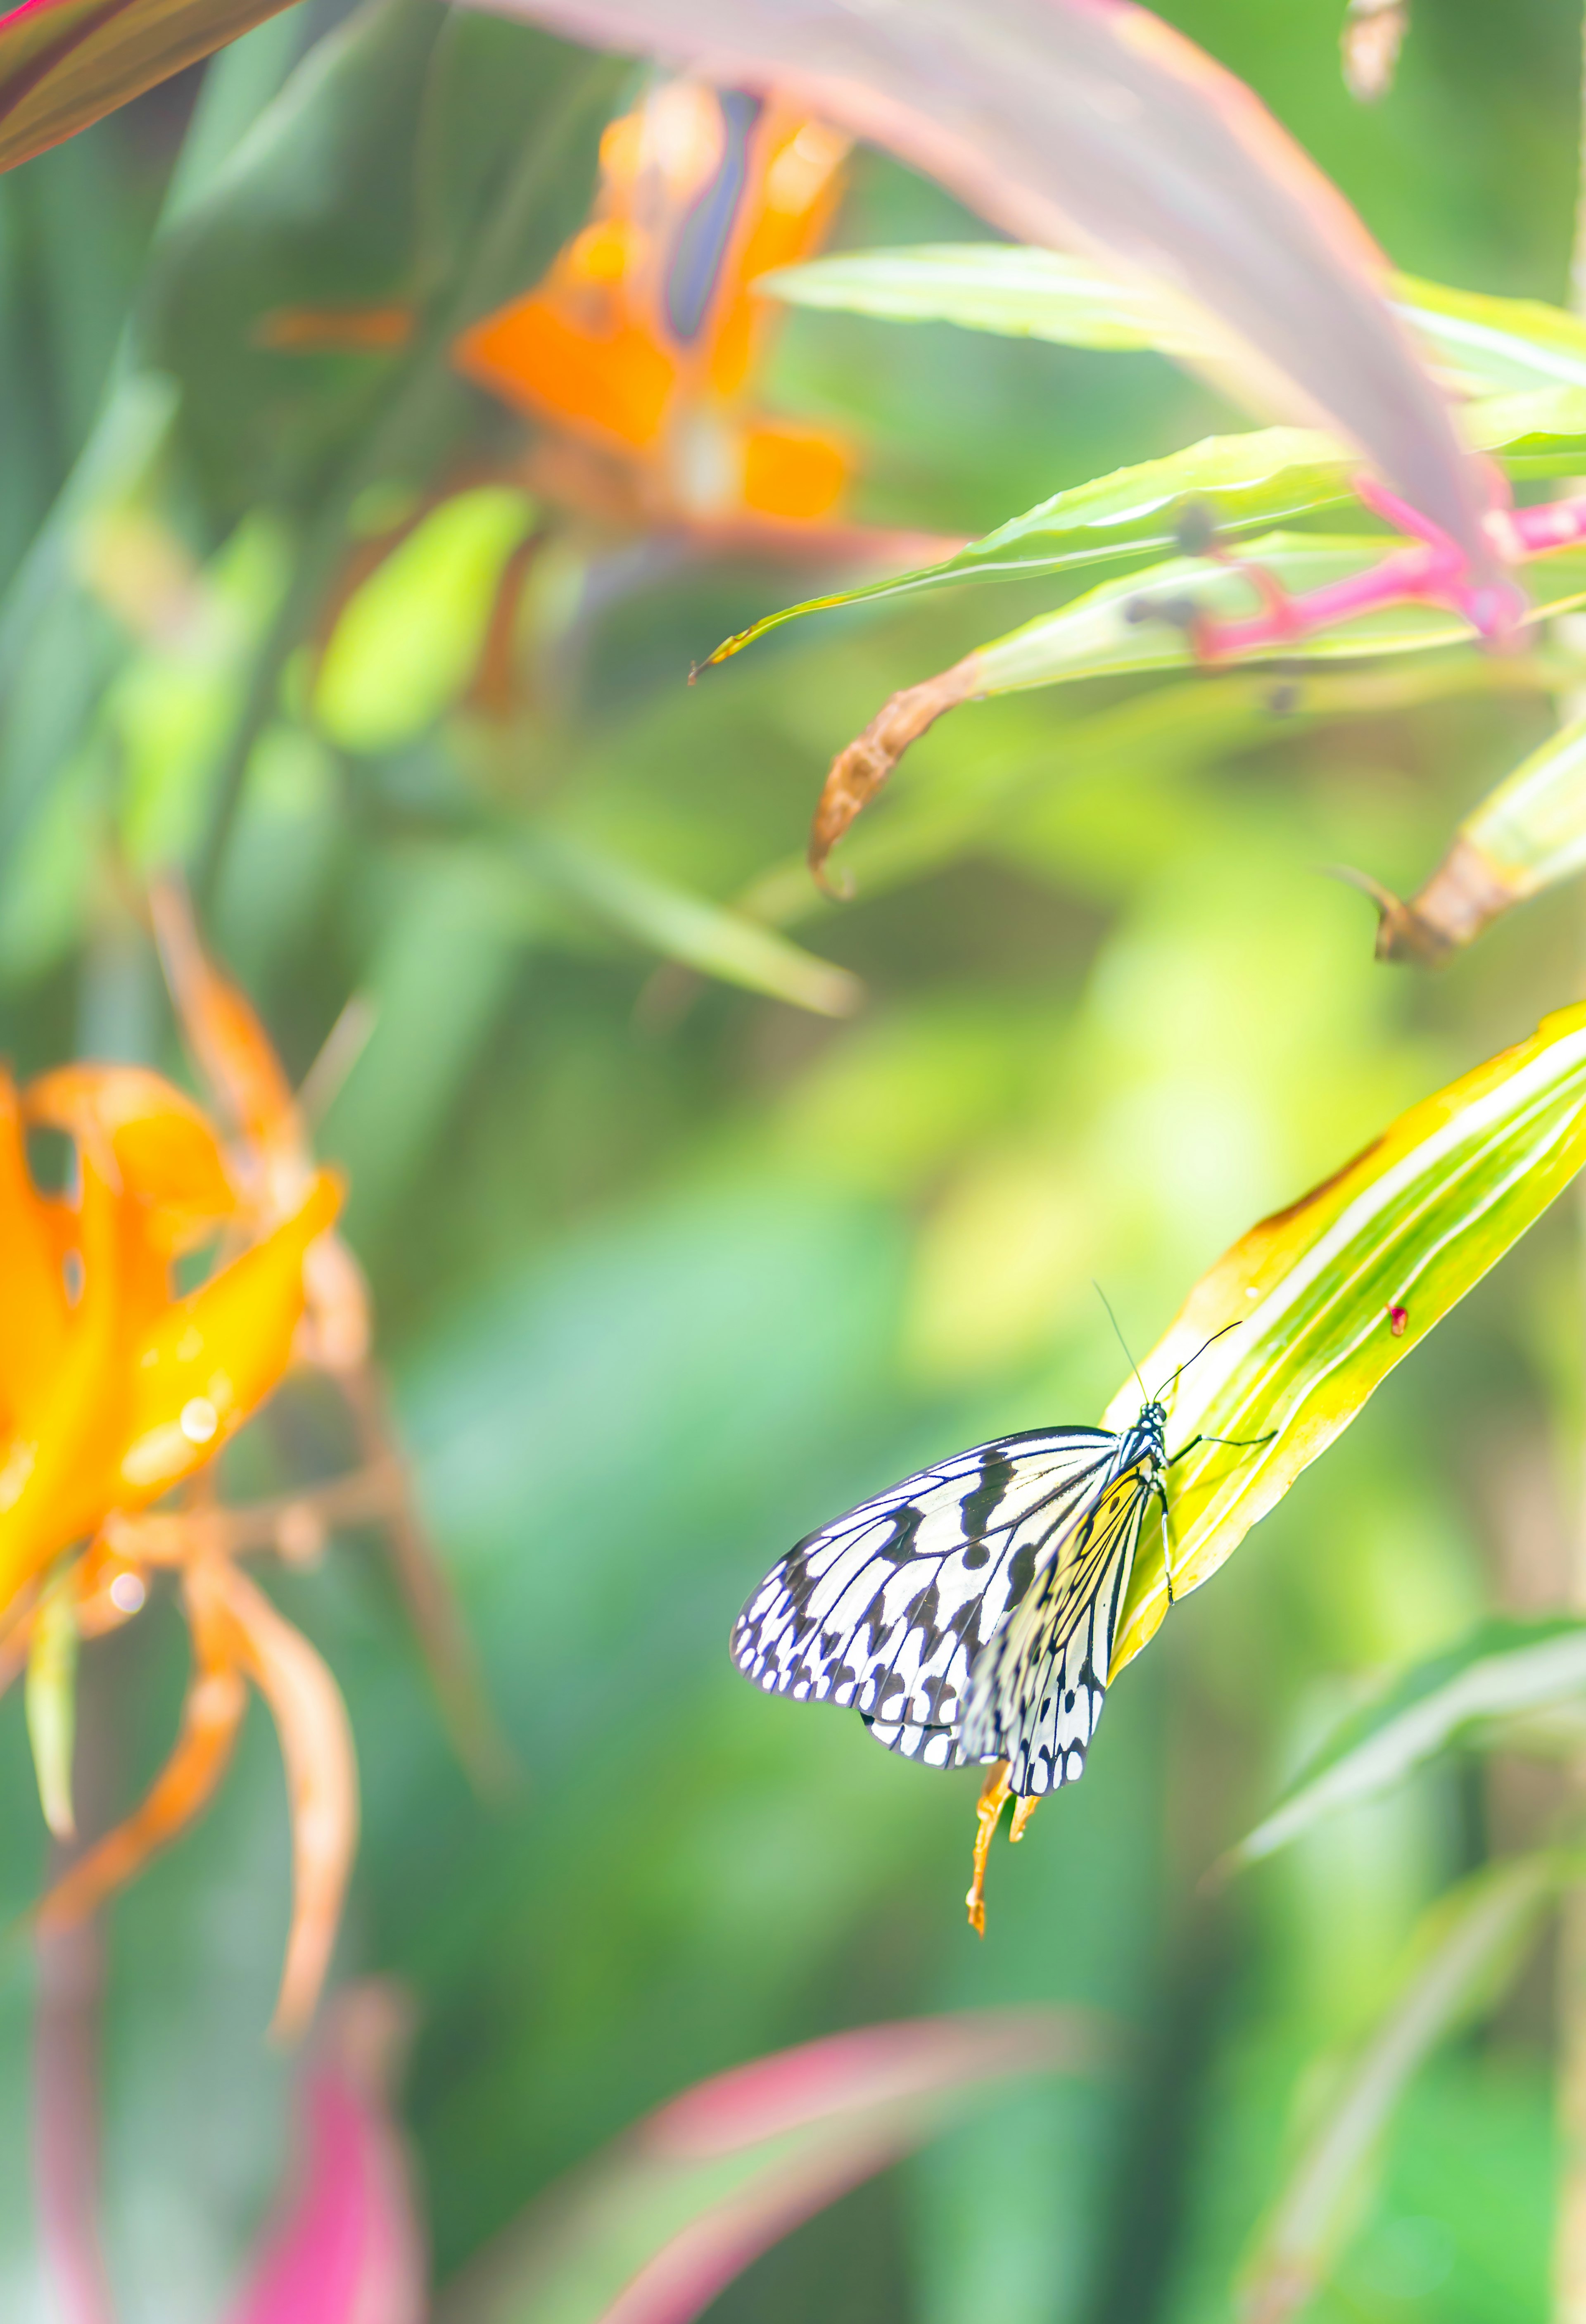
(1328,1296)
(1469,1944)
(654,2229)
(1495,346)
(1066,123)
(1139,623)
(1234,483)
(1502,1669)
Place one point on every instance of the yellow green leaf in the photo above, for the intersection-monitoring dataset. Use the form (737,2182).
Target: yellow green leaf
(1316,1304)
(51,1699)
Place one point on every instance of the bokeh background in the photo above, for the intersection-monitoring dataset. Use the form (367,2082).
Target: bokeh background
(668,1271)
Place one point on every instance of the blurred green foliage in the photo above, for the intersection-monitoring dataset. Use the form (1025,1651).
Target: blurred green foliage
(667,1270)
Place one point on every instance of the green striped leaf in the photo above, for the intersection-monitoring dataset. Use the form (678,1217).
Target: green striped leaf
(1316,1304)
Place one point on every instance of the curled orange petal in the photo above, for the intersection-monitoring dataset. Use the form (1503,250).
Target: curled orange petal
(156,1144)
(322,1786)
(217,1698)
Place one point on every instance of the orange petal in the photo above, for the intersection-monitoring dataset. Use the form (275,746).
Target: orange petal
(155,1143)
(58,1475)
(322,1785)
(217,1698)
(233,1050)
(35,1323)
(211,1359)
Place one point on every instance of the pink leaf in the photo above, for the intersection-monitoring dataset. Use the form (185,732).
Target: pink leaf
(652,2231)
(64,63)
(348,2248)
(1091,122)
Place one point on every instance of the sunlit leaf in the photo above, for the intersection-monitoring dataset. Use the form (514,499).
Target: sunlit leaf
(650,2232)
(1501,1671)
(1494,347)
(410,637)
(1469,1946)
(1318,1303)
(1233,482)
(1527,834)
(64,63)
(1105,127)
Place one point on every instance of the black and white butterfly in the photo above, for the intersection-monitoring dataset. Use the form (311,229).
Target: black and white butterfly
(969,1613)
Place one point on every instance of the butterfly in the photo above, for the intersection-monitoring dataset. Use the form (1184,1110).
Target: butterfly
(968,1614)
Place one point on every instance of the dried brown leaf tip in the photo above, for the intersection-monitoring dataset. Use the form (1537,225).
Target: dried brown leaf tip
(1465,894)
(1373,33)
(858,771)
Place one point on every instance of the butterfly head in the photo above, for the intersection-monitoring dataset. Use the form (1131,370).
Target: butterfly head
(1145,1444)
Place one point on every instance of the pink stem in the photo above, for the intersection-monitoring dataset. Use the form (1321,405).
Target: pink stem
(1431,572)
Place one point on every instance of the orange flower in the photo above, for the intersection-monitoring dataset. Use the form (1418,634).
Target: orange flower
(113,1387)
(113,1390)
(643,340)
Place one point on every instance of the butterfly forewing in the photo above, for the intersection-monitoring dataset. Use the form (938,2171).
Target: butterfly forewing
(1036,1691)
(884,1610)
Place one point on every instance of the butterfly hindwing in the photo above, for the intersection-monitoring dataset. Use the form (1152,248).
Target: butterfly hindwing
(1037,1688)
(884,1610)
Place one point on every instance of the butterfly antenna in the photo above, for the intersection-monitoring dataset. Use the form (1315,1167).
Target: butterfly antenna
(1123,1343)
(1169,1385)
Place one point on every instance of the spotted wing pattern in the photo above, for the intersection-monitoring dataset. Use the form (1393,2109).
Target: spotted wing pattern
(1036,1693)
(884,1610)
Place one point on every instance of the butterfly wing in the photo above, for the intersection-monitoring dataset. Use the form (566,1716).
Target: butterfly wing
(1036,1691)
(884,1610)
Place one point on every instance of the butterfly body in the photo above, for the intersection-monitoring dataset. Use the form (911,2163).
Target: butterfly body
(968,1613)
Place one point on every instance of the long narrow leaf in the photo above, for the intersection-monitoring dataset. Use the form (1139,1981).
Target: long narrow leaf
(1237,483)
(1472,1939)
(1068,122)
(652,2232)
(687,927)
(1502,1670)
(1316,1304)
(1493,347)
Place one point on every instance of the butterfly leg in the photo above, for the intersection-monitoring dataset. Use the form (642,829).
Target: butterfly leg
(993,1792)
